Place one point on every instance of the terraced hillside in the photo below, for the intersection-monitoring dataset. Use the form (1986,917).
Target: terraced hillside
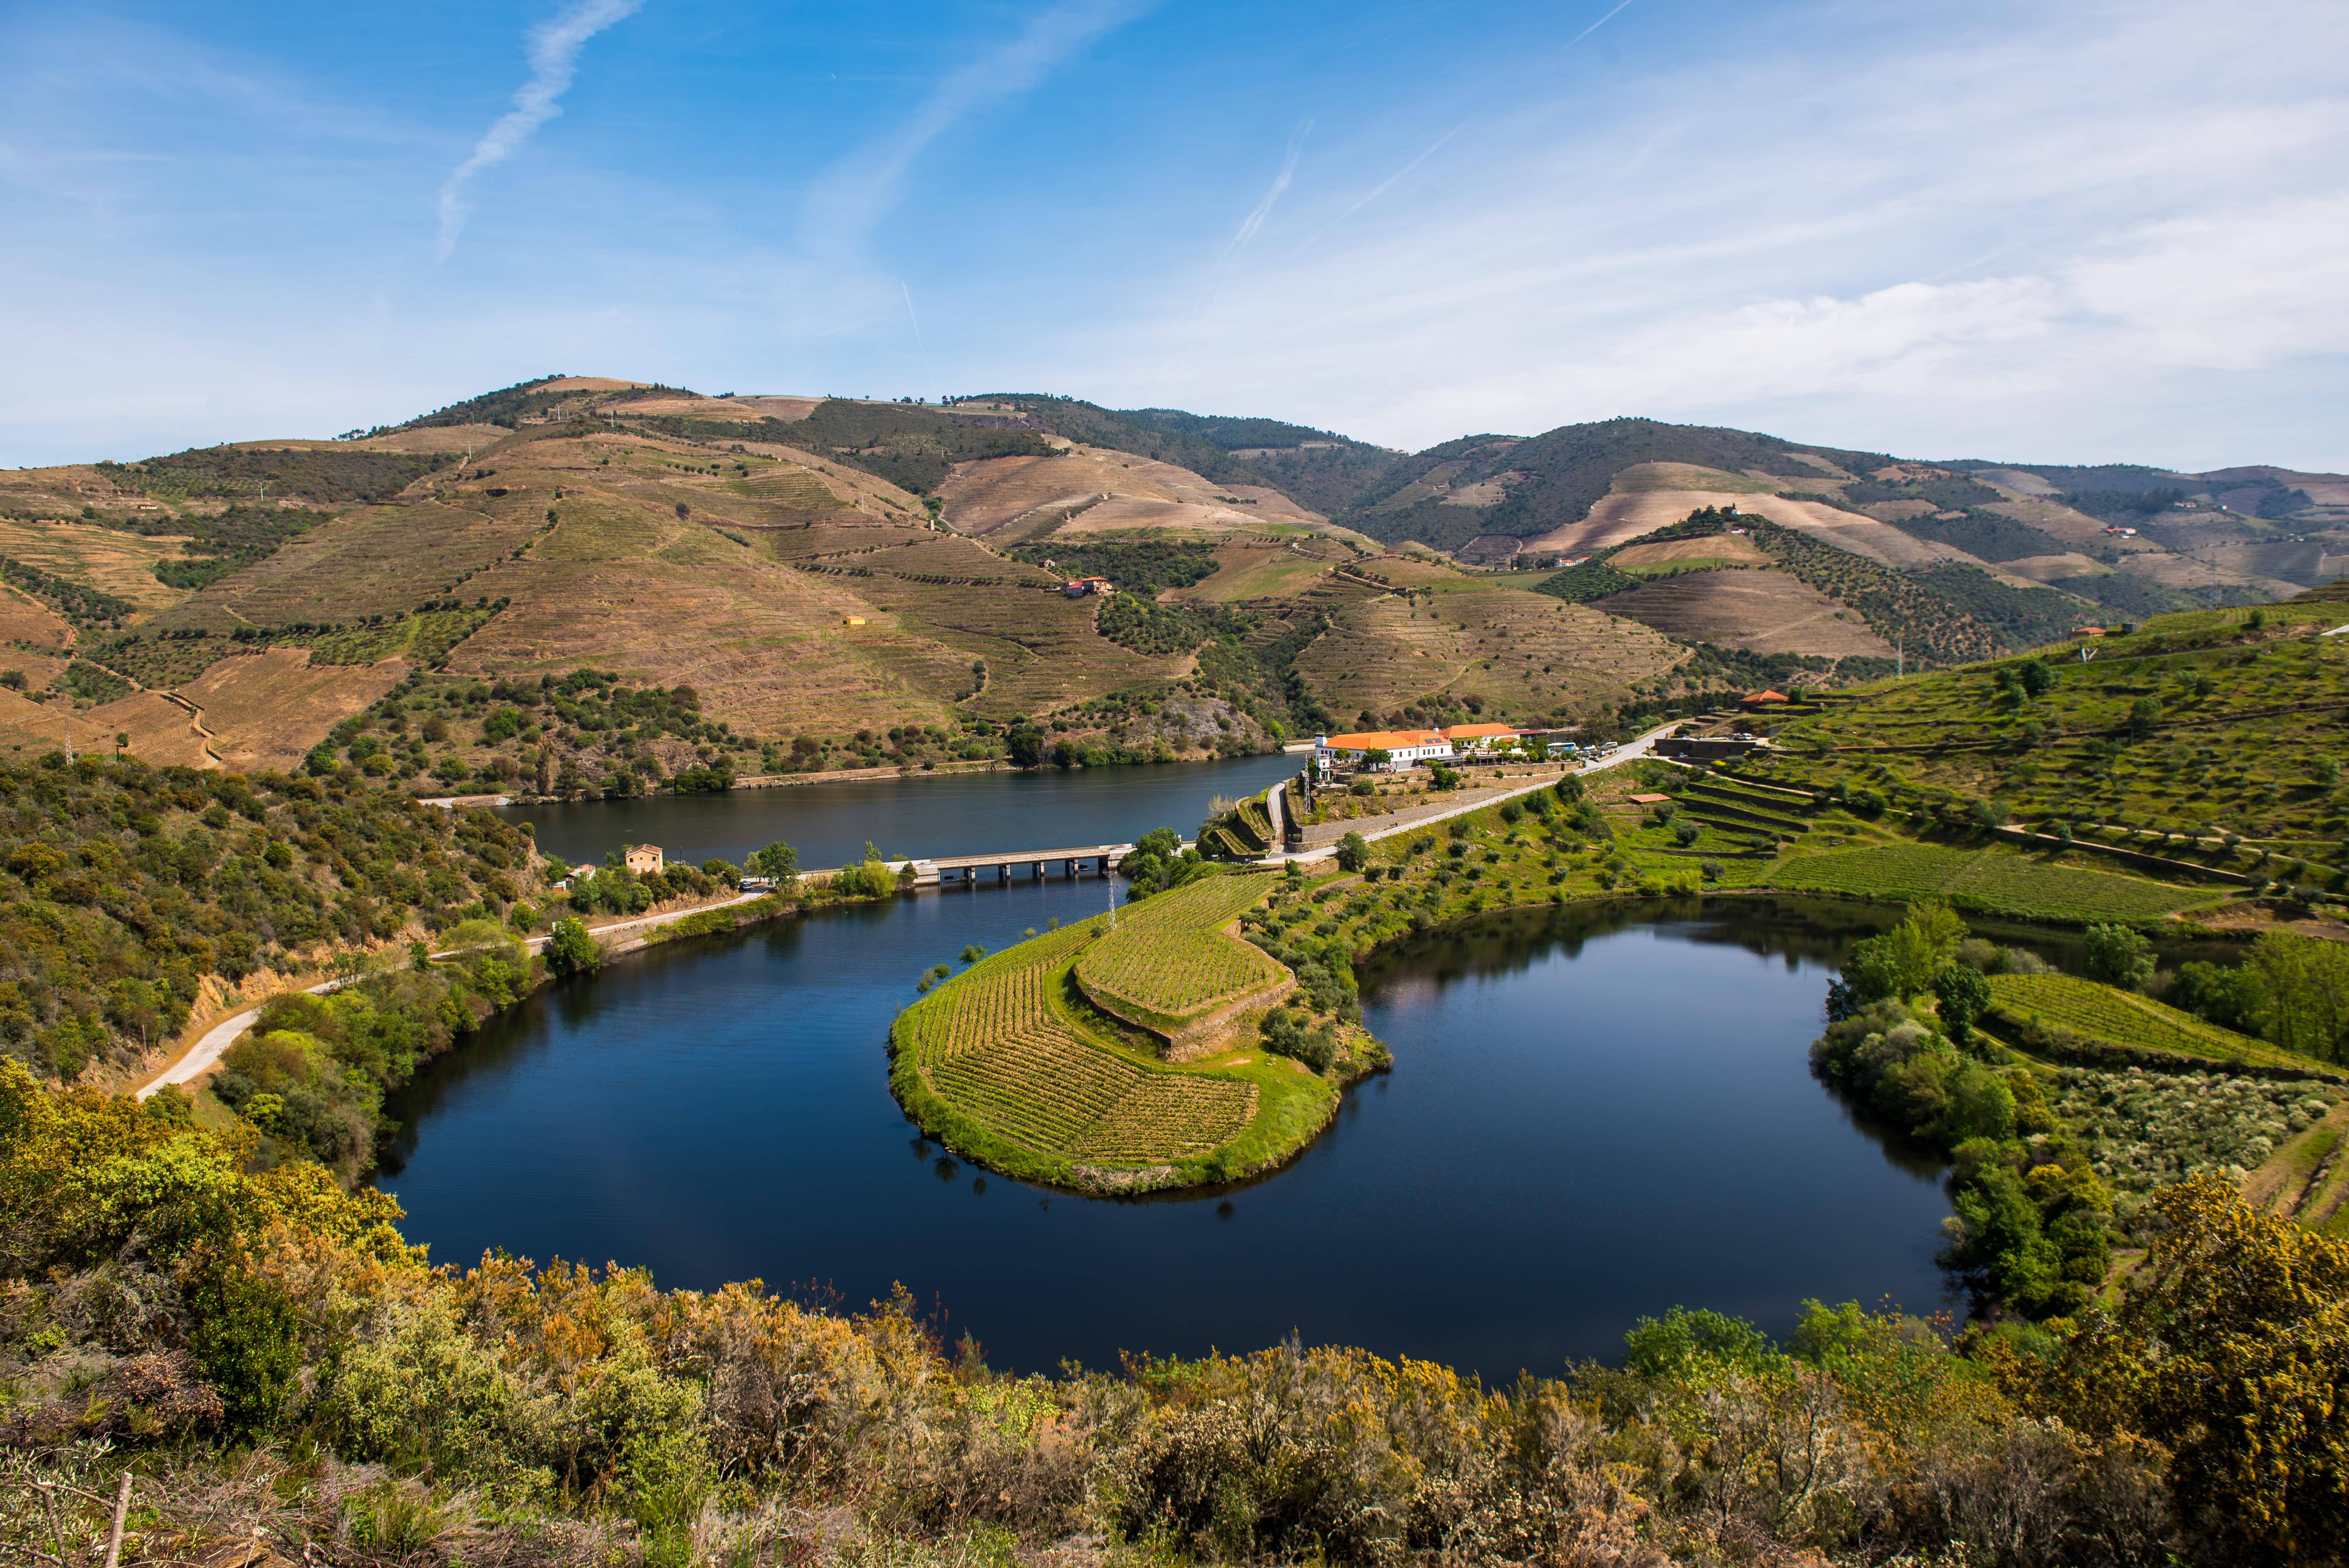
(1499,652)
(2213,737)
(2109,1015)
(1170,967)
(1950,612)
(1007,1067)
(781,557)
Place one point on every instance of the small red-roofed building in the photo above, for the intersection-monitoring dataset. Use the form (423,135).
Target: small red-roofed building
(1762,699)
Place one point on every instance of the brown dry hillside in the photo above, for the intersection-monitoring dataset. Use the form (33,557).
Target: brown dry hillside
(1521,656)
(122,565)
(1760,611)
(737,571)
(1087,489)
(265,710)
(371,562)
(27,624)
(622,586)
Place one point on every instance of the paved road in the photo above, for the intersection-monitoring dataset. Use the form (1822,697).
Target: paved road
(216,1040)
(1628,751)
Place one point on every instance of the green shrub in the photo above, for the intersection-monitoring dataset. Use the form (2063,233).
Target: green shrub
(246,1339)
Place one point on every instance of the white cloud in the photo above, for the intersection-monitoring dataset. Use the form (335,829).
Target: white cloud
(554,46)
(2029,225)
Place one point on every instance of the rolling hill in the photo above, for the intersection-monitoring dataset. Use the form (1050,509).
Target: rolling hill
(821,572)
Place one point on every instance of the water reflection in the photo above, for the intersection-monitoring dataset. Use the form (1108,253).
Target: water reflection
(934,814)
(1596,1112)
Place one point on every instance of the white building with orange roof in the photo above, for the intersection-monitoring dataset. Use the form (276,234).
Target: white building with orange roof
(1478,736)
(1404,748)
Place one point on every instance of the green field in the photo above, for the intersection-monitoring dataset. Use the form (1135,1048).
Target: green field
(2203,725)
(1989,881)
(2120,1018)
(996,1065)
(1168,963)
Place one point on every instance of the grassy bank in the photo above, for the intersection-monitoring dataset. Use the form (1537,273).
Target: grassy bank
(1021,1063)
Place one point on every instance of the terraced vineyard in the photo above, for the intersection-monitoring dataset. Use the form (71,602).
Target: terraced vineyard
(1169,964)
(1518,652)
(988,1064)
(1989,881)
(2123,1018)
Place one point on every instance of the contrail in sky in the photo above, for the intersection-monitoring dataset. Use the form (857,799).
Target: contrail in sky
(911,316)
(1594,26)
(1246,232)
(1381,188)
(554,52)
(1255,221)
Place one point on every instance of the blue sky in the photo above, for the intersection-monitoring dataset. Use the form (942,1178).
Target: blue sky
(2080,232)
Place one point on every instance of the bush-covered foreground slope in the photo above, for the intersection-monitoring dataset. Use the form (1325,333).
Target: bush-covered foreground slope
(277,1377)
(132,896)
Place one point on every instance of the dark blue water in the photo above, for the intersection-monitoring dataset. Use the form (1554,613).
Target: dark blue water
(1594,1115)
(927,814)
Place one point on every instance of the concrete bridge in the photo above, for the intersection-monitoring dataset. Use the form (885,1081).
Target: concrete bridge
(969,870)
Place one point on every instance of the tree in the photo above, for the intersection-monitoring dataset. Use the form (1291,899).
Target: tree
(1377,757)
(1986,814)
(1027,747)
(1964,996)
(2143,715)
(2120,955)
(572,951)
(778,861)
(1569,789)
(2229,1349)
(1904,960)
(246,1338)
(1163,842)
(1353,852)
(2303,991)
(544,773)
(2036,677)
(1922,943)
(683,511)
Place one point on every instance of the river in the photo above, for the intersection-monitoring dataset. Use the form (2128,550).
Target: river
(922,814)
(1595,1113)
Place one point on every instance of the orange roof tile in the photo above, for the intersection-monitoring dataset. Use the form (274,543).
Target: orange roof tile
(1383,739)
(1476,731)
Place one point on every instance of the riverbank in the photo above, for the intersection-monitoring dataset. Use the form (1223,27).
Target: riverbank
(206,1040)
(1513,849)
(891,773)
